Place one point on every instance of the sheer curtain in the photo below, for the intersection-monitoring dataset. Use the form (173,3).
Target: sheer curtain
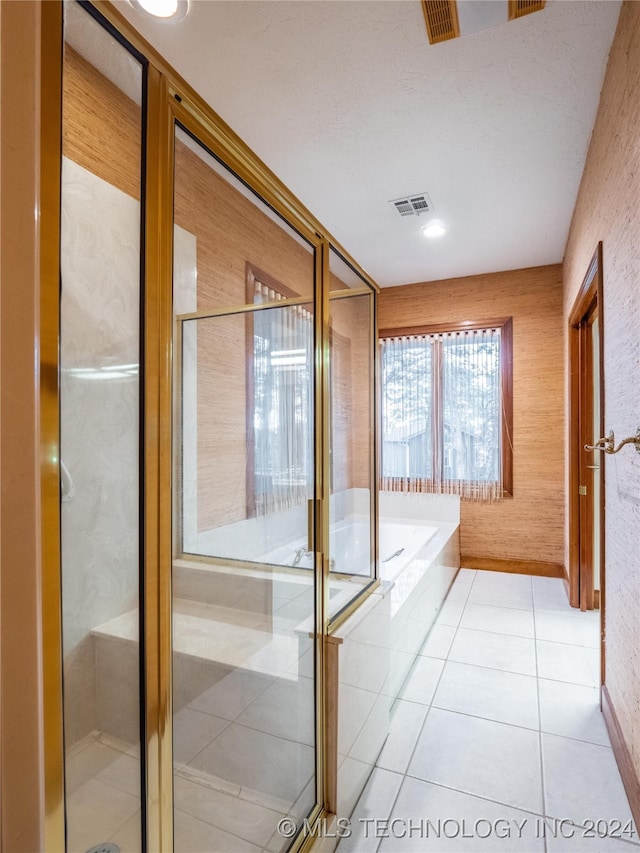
(441,413)
(282,403)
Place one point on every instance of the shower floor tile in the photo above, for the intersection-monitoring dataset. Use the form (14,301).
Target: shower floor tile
(258,761)
(95,812)
(247,820)
(191,834)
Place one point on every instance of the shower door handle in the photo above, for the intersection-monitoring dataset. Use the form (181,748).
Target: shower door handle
(310,504)
(67,489)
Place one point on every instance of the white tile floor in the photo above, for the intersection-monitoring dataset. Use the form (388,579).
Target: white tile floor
(497,741)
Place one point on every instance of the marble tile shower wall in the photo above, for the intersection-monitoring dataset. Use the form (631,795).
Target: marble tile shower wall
(100,355)
(100,270)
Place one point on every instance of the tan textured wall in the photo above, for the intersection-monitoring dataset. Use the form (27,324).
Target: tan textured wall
(528,526)
(350,376)
(608,209)
(101,130)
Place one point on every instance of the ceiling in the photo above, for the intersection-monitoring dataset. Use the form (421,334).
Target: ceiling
(349,104)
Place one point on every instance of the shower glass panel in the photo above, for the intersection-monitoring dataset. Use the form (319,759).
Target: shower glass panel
(352,511)
(99,425)
(243,583)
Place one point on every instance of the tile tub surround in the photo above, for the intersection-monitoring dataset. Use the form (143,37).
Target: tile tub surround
(419,507)
(359,660)
(419,590)
(416,598)
(377,646)
(498,725)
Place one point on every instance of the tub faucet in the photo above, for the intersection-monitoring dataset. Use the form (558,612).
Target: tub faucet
(300,553)
(395,554)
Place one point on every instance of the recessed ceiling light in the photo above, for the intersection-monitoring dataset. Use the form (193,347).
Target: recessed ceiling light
(167,10)
(433,229)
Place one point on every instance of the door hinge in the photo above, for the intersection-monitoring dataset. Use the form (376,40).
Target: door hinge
(582,490)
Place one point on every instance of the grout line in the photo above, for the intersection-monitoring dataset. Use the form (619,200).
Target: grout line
(502,607)
(136,814)
(253,729)
(480,797)
(542,788)
(226,832)
(493,668)
(178,765)
(489,720)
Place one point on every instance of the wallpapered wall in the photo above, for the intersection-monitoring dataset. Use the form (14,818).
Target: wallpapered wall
(528,526)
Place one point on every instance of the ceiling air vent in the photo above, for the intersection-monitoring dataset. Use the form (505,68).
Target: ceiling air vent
(441,17)
(412,205)
(448,19)
(518,8)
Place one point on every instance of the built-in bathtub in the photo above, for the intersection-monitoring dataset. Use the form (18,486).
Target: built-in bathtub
(400,543)
(371,654)
(350,547)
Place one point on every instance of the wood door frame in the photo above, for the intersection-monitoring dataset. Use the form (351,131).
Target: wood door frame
(588,299)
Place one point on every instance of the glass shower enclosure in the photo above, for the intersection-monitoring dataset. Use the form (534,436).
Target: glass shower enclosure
(247,541)
(193,662)
(244,685)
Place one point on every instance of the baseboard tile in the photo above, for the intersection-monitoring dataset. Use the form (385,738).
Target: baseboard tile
(630,778)
(524,567)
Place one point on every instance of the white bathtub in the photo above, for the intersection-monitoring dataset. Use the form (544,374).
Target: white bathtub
(400,543)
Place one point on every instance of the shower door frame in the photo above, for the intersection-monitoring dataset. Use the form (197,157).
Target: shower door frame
(168,100)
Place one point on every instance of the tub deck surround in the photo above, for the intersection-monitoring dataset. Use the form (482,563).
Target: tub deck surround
(372,652)
(417,596)
(358,667)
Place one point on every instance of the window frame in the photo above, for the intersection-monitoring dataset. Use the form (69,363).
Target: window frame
(505,325)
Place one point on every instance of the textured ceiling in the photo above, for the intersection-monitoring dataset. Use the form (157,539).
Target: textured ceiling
(350,106)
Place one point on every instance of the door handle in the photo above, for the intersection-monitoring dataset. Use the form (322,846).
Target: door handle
(595,467)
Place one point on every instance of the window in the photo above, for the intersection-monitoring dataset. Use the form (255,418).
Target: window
(279,399)
(447,409)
